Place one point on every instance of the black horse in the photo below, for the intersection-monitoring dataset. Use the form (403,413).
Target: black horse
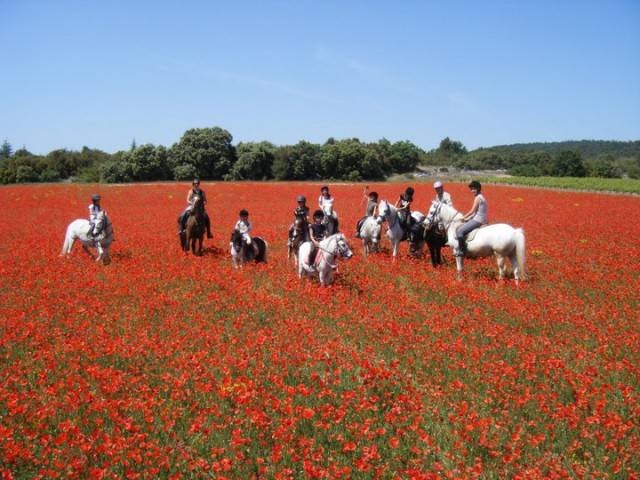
(435,238)
(242,252)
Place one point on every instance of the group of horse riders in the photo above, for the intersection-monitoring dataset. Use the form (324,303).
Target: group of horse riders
(325,220)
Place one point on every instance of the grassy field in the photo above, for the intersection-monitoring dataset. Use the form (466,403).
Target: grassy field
(167,365)
(618,185)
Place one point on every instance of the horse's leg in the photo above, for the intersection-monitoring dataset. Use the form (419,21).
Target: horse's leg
(459,268)
(514,266)
(500,261)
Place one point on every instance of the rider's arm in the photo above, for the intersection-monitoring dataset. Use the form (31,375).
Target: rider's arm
(474,208)
(189,195)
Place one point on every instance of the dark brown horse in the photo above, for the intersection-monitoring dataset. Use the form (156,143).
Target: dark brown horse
(435,238)
(297,235)
(196,227)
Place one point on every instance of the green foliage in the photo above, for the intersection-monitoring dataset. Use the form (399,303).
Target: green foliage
(254,162)
(208,150)
(6,150)
(620,185)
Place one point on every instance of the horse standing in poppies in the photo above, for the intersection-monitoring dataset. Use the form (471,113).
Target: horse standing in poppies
(501,240)
(101,240)
(195,228)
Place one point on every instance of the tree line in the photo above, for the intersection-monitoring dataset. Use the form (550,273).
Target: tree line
(208,153)
(585,158)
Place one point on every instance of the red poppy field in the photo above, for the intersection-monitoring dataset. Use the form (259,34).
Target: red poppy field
(167,365)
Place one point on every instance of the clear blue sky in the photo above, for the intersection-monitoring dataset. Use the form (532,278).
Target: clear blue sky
(100,73)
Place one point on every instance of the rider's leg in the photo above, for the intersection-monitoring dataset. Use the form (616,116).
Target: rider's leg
(207,222)
(462,232)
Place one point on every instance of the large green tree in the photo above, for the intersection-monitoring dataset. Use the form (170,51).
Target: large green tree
(208,150)
(254,161)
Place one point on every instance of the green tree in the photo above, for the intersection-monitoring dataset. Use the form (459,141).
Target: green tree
(568,164)
(404,156)
(255,161)
(6,150)
(208,150)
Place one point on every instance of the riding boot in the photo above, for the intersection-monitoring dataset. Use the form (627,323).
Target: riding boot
(462,247)
(207,222)
(182,223)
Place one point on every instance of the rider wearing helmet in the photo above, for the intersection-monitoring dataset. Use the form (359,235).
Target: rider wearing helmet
(94,209)
(317,233)
(194,191)
(372,208)
(441,195)
(244,226)
(301,212)
(403,204)
(325,202)
(474,218)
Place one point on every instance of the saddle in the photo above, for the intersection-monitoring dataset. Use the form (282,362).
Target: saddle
(472,234)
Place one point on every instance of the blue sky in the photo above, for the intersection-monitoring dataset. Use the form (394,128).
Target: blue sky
(101,73)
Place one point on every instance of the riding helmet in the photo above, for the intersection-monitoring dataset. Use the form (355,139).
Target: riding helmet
(324,188)
(196,181)
(95,197)
(318,214)
(437,184)
(244,213)
(301,198)
(475,184)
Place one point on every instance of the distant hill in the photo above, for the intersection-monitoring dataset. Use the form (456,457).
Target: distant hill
(587,148)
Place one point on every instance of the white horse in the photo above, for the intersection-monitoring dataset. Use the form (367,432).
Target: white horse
(395,232)
(369,233)
(330,248)
(79,229)
(499,239)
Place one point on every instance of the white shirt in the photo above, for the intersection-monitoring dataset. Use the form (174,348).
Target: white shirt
(446,198)
(243,227)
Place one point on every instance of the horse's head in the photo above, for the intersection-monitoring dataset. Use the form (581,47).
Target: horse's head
(100,221)
(299,223)
(383,209)
(433,215)
(197,205)
(237,241)
(342,246)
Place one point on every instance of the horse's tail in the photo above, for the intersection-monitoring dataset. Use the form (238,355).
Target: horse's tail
(520,252)
(68,242)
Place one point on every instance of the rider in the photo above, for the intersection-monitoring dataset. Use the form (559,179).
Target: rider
(372,208)
(244,226)
(474,218)
(317,233)
(300,212)
(403,204)
(325,202)
(94,209)
(441,195)
(194,191)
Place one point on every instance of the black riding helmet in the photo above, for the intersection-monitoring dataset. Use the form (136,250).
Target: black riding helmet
(244,213)
(373,195)
(301,199)
(475,184)
(95,197)
(409,193)
(318,214)
(324,189)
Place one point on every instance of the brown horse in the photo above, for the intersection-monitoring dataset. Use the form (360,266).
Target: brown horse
(434,236)
(196,227)
(297,236)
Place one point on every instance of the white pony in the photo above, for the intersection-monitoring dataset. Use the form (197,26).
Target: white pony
(499,239)
(330,248)
(370,234)
(395,232)
(78,230)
